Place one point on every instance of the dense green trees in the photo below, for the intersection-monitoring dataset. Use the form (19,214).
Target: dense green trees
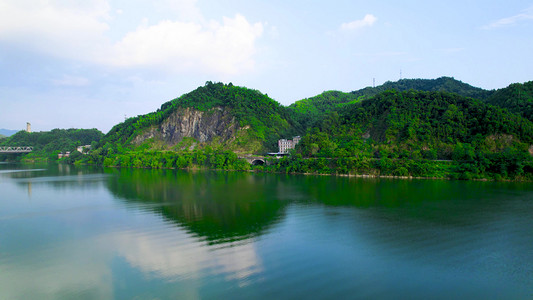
(442,84)
(403,133)
(207,158)
(435,131)
(267,119)
(46,144)
(517,98)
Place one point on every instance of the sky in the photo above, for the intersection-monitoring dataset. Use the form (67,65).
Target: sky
(93,63)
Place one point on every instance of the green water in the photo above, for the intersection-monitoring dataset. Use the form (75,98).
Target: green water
(87,233)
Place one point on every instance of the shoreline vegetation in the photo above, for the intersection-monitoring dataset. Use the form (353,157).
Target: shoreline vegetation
(228,161)
(430,129)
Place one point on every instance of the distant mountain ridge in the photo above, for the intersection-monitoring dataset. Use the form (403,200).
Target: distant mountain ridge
(441,84)
(314,108)
(517,98)
(8,132)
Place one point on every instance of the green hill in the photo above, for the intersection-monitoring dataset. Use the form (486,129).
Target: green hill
(407,133)
(312,110)
(402,133)
(236,118)
(431,117)
(517,98)
(46,144)
(442,84)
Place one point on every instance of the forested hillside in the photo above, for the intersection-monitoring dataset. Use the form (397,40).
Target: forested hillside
(427,128)
(263,119)
(46,144)
(442,84)
(517,98)
(403,130)
(312,110)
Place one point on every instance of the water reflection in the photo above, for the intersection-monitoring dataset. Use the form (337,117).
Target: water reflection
(218,206)
(88,233)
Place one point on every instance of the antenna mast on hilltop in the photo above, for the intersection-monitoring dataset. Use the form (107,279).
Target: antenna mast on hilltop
(400,74)
(373,82)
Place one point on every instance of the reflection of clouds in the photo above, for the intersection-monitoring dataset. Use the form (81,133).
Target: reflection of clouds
(72,270)
(83,269)
(175,255)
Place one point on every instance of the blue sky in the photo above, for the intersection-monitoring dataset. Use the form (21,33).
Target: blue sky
(90,63)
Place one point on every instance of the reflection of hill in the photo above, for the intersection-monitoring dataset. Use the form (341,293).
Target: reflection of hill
(454,203)
(219,206)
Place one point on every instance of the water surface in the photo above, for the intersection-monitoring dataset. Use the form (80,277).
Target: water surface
(87,233)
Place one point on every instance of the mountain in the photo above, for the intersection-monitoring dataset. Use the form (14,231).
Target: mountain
(442,84)
(430,117)
(55,140)
(235,118)
(400,133)
(309,110)
(417,121)
(517,98)
(7,132)
(312,110)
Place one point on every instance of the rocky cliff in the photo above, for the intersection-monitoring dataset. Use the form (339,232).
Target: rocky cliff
(217,124)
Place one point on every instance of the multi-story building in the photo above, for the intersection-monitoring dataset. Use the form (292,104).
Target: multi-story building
(284,145)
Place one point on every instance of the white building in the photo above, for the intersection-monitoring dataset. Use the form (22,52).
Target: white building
(284,145)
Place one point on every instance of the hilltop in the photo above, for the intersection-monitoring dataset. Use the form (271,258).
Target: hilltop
(237,118)
(314,108)
(441,84)
(517,98)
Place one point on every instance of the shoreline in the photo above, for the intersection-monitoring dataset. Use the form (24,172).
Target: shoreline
(195,168)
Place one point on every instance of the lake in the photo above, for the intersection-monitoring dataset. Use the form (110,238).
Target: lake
(71,232)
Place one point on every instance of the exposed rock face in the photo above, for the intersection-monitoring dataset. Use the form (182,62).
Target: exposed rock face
(203,126)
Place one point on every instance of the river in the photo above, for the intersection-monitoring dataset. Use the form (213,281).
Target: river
(71,232)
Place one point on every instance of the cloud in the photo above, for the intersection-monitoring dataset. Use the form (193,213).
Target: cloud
(80,30)
(367,21)
(226,48)
(71,30)
(525,15)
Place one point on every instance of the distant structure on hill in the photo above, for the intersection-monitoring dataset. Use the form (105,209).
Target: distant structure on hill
(83,149)
(28,127)
(61,155)
(285,145)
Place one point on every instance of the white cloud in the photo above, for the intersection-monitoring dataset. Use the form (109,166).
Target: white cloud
(71,30)
(78,30)
(367,21)
(226,48)
(525,15)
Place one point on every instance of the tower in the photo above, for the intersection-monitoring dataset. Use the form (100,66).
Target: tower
(28,127)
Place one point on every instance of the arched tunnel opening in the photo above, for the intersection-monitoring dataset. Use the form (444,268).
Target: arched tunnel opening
(258,162)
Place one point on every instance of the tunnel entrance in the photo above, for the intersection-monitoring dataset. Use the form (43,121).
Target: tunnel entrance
(258,162)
